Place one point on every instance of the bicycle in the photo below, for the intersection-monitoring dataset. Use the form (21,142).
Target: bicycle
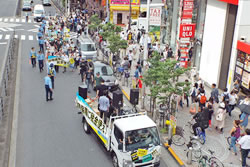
(196,150)
(179,139)
(210,161)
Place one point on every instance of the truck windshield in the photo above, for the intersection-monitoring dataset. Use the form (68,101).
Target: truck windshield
(88,47)
(38,12)
(141,138)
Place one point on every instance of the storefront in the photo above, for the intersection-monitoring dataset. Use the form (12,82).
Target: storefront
(242,67)
(120,10)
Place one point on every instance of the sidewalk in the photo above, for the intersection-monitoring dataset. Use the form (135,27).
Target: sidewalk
(214,140)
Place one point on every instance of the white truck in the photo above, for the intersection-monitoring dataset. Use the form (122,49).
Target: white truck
(132,139)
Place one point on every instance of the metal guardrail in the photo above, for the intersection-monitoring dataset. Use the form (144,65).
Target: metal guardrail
(5,75)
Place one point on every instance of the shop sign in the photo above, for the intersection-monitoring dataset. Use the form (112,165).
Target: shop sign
(234,2)
(187,30)
(124,2)
(188,6)
(155,16)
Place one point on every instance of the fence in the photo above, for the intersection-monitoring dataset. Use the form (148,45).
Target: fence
(5,75)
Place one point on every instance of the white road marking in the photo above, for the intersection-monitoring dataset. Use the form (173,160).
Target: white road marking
(1,36)
(23,20)
(22,37)
(11,20)
(37,26)
(3,43)
(1,19)
(6,19)
(16,36)
(2,29)
(10,29)
(30,37)
(7,36)
(17,20)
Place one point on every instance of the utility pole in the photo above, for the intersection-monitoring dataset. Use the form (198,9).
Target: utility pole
(145,55)
(129,22)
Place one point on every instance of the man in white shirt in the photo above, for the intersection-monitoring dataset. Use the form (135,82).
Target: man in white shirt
(244,143)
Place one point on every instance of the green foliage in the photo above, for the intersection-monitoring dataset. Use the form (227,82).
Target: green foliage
(116,43)
(95,22)
(162,78)
(109,30)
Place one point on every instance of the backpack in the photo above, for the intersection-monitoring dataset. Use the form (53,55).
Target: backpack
(203,119)
(193,93)
(203,99)
(226,97)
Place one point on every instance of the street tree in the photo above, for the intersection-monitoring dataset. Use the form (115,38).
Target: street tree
(162,78)
(95,22)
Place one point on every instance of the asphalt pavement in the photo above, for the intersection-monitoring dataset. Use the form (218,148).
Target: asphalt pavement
(5,8)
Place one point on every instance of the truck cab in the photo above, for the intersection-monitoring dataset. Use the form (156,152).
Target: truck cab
(135,142)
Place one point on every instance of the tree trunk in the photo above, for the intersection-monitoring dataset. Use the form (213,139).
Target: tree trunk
(153,109)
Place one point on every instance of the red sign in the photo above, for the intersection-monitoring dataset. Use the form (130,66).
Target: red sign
(187,30)
(188,6)
(234,2)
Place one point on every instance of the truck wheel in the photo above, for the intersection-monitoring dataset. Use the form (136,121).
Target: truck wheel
(86,127)
(115,160)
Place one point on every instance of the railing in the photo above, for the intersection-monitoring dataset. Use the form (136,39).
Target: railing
(5,75)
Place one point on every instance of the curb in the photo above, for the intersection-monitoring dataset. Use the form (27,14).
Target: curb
(174,155)
(171,151)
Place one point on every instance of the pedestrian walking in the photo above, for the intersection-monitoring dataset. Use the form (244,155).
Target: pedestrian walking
(215,93)
(244,143)
(194,92)
(232,102)
(52,72)
(97,80)
(130,58)
(220,116)
(104,105)
(89,79)
(40,59)
(83,69)
(41,44)
(48,87)
(33,57)
(235,134)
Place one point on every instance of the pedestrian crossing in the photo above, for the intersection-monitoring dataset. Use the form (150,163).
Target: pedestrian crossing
(18,20)
(25,37)
(21,37)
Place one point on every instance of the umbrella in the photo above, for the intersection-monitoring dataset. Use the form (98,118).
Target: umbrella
(244,108)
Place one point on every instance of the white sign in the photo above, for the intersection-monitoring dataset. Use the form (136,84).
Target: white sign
(155,16)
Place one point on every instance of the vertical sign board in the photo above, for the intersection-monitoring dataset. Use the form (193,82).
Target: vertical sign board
(187,30)
(155,16)
(188,6)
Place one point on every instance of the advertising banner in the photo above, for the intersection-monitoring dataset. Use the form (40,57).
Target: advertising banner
(188,6)
(59,61)
(124,2)
(187,30)
(155,16)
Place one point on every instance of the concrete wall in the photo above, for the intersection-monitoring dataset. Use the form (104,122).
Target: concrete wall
(242,28)
(213,41)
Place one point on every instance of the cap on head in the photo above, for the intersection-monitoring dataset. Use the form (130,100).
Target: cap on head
(51,65)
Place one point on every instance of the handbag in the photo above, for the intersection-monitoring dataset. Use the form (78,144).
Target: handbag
(219,117)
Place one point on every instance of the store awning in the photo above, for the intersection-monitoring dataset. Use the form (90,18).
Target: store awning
(244,47)
(134,8)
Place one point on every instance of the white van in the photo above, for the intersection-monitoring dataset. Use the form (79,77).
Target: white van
(38,12)
(87,48)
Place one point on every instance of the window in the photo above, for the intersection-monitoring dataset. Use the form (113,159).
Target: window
(118,134)
(88,47)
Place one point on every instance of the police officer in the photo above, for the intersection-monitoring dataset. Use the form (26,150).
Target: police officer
(52,72)
(48,87)
(40,58)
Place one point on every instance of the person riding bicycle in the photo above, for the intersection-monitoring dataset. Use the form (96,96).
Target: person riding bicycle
(201,120)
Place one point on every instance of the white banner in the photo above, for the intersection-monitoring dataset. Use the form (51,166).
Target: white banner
(155,16)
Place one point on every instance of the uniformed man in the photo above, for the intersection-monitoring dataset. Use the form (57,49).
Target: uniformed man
(52,72)
(40,59)
(33,57)
(48,87)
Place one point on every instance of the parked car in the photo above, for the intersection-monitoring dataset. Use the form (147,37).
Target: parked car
(26,6)
(46,3)
(106,73)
